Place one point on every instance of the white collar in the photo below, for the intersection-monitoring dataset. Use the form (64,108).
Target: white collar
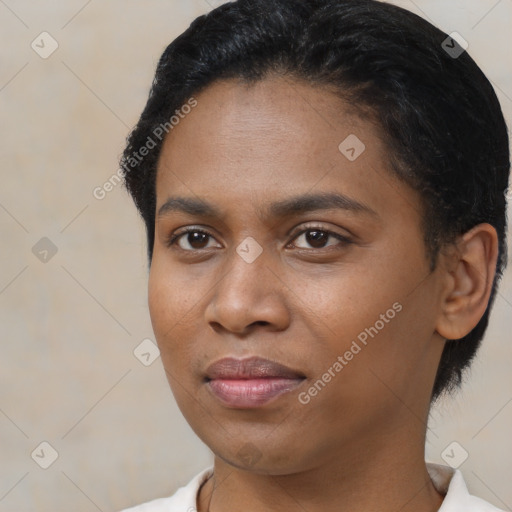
(448,482)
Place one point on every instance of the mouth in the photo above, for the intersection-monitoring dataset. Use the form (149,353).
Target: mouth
(252,382)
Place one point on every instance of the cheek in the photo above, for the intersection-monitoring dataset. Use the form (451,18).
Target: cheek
(162,301)
(171,310)
(171,305)
(346,300)
(382,306)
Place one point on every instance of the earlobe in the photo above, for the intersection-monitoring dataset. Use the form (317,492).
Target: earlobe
(469,279)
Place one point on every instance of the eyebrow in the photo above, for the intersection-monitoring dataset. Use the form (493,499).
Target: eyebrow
(291,206)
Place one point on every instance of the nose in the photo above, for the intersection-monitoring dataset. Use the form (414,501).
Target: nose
(248,296)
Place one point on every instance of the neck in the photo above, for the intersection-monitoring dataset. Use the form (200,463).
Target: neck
(374,475)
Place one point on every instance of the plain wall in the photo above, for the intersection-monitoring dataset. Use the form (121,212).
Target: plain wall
(69,325)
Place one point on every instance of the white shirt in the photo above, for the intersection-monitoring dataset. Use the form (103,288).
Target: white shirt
(448,482)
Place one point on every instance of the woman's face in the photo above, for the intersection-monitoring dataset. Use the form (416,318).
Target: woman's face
(304,250)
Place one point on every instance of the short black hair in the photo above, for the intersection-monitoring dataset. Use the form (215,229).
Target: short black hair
(439,115)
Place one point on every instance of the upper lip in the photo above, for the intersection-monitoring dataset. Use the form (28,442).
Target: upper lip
(249,368)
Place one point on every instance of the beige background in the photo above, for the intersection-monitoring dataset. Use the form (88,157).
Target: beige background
(69,326)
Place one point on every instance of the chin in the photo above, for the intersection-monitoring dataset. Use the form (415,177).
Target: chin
(261,457)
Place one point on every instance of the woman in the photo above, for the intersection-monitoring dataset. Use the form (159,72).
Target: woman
(323,184)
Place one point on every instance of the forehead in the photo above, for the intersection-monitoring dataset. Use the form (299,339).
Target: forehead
(270,139)
(234,118)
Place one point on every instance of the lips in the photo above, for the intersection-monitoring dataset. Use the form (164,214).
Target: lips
(251,382)
(251,368)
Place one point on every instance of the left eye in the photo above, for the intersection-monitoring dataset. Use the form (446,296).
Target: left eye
(318,238)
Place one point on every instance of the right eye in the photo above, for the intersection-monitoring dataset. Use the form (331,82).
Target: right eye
(190,239)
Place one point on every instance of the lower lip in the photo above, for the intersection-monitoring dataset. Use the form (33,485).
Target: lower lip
(250,393)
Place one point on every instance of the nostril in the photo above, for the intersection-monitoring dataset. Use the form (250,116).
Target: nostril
(260,322)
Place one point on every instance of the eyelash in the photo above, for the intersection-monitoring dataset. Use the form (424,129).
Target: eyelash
(173,238)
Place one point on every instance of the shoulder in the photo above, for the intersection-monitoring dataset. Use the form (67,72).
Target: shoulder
(183,500)
(451,484)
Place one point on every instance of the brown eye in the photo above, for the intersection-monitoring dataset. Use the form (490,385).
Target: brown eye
(316,238)
(197,239)
(191,239)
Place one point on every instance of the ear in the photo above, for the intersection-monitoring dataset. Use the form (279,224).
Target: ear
(469,275)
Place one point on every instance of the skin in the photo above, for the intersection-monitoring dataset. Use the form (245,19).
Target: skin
(358,444)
